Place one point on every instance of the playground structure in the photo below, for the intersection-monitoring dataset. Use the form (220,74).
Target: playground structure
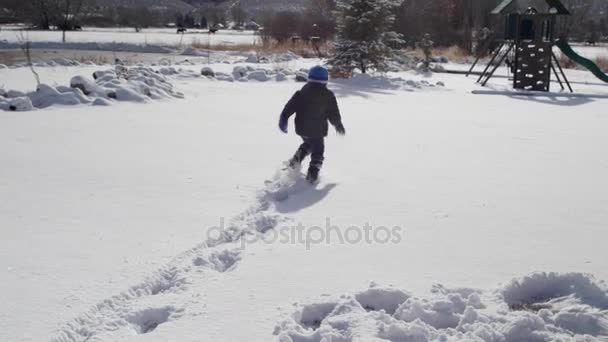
(527,47)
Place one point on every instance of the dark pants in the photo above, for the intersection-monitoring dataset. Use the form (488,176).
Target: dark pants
(313,146)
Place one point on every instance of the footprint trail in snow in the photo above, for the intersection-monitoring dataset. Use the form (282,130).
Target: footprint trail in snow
(155,301)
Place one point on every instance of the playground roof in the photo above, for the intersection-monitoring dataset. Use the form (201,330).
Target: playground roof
(561,9)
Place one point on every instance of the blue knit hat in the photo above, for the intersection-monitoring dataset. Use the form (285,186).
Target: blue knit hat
(318,74)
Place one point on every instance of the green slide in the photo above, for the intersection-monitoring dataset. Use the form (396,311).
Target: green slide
(587,63)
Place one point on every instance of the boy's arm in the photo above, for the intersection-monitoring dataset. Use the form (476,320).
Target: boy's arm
(334,115)
(290,108)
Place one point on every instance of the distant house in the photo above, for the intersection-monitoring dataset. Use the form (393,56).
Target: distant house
(252,25)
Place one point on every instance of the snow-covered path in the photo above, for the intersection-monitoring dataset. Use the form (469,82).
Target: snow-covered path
(96,200)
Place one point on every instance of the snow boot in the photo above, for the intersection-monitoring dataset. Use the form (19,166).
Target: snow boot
(294,164)
(313,175)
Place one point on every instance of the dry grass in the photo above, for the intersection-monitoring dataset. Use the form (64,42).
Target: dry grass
(99,60)
(566,62)
(454,53)
(302,48)
(602,62)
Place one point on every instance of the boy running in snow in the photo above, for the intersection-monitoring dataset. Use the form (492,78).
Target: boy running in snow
(313,105)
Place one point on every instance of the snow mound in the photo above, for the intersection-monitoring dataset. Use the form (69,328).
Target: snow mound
(17,104)
(554,287)
(206,71)
(258,75)
(378,298)
(383,83)
(136,84)
(574,311)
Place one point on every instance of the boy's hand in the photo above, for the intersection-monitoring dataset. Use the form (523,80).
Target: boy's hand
(340,129)
(283,125)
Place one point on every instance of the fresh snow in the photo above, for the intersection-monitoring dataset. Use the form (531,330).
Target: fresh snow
(142,221)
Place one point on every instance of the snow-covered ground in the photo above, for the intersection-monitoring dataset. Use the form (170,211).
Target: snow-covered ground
(105,211)
(154,37)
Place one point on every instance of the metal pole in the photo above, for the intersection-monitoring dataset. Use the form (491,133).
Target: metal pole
(556,75)
(562,71)
(491,61)
(497,65)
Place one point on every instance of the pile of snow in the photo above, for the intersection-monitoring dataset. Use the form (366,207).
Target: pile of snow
(385,82)
(569,307)
(248,73)
(137,84)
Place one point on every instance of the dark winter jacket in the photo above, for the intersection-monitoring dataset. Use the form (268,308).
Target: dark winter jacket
(313,105)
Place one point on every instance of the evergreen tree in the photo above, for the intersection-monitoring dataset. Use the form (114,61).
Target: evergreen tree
(365,36)
(189,20)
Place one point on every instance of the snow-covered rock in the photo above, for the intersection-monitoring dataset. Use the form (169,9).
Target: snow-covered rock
(435,67)
(85,85)
(286,57)
(136,84)
(280,77)
(100,101)
(17,104)
(239,72)
(220,76)
(46,96)
(252,58)
(207,71)
(14,93)
(301,76)
(168,71)
(258,75)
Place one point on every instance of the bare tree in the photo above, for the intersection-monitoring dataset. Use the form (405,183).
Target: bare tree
(39,12)
(239,15)
(66,12)
(24,43)
(579,12)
